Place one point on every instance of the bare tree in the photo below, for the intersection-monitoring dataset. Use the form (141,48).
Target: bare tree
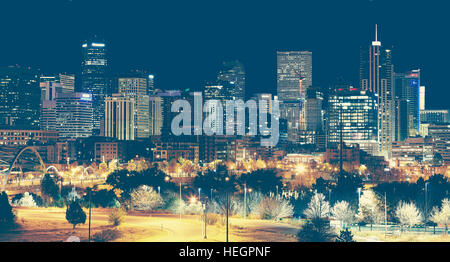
(318,208)
(442,216)
(342,212)
(274,208)
(369,210)
(145,198)
(408,214)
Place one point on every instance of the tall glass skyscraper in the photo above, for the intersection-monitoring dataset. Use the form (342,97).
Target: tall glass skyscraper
(294,77)
(74,115)
(94,77)
(233,72)
(20,97)
(376,76)
(354,113)
(407,88)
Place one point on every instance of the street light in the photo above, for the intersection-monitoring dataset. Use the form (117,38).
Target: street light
(199,194)
(426,205)
(245,201)
(89,231)
(180,200)
(228,204)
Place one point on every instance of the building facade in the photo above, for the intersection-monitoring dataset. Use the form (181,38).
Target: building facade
(376,76)
(74,115)
(19,97)
(352,115)
(94,77)
(294,77)
(119,117)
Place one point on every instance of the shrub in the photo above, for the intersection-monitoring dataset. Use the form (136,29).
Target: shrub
(26,200)
(345,236)
(7,216)
(316,230)
(106,235)
(117,216)
(211,218)
(75,214)
(145,198)
(272,208)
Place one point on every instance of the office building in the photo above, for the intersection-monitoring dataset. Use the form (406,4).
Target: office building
(136,88)
(376,76)
(434,117)
(19,97)
(74,114)
(294,77)
(119,117)
(407,88)
(94,77)
(233,73)
(352,115)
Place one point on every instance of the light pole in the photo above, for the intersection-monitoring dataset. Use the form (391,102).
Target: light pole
(228,203)
(89,231)
(426,205)
(385,215)
(245,201)
(180,200)
(199,195)
(277,191)
(227,215)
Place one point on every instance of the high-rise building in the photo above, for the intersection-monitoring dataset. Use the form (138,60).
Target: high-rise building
(67,81)
(294,77)
(136,88)
(94,77)
(74,115)
(168,98)
(233,73)
(434,117)
(19,97)
(156,115)
(422,97)
(313,110)
(407,88)
(401,120)
(119,117)
(376,76)
(50,90)
(151,85)
(441,136)
(352,115)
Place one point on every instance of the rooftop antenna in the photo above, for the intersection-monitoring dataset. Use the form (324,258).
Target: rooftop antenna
(376,42)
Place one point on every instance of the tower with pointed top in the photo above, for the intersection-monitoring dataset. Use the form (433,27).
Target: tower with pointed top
(376,76)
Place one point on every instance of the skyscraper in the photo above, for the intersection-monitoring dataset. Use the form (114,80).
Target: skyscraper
(407,88)
(19,97)
(136,88)
(233,72)
(294,77)
(94,77)
(74,115)
(376,76)
(50,90)
(354,113)
(119,117)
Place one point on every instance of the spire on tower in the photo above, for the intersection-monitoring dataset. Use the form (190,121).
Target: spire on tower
(376,42)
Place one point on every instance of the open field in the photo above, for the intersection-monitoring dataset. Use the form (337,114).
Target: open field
(50,225)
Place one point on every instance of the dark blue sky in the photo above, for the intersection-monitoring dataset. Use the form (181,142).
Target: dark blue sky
(183,42)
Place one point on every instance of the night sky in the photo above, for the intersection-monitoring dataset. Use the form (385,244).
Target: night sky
(183,42)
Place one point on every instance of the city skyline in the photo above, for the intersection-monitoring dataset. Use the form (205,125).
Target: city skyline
(328,46)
